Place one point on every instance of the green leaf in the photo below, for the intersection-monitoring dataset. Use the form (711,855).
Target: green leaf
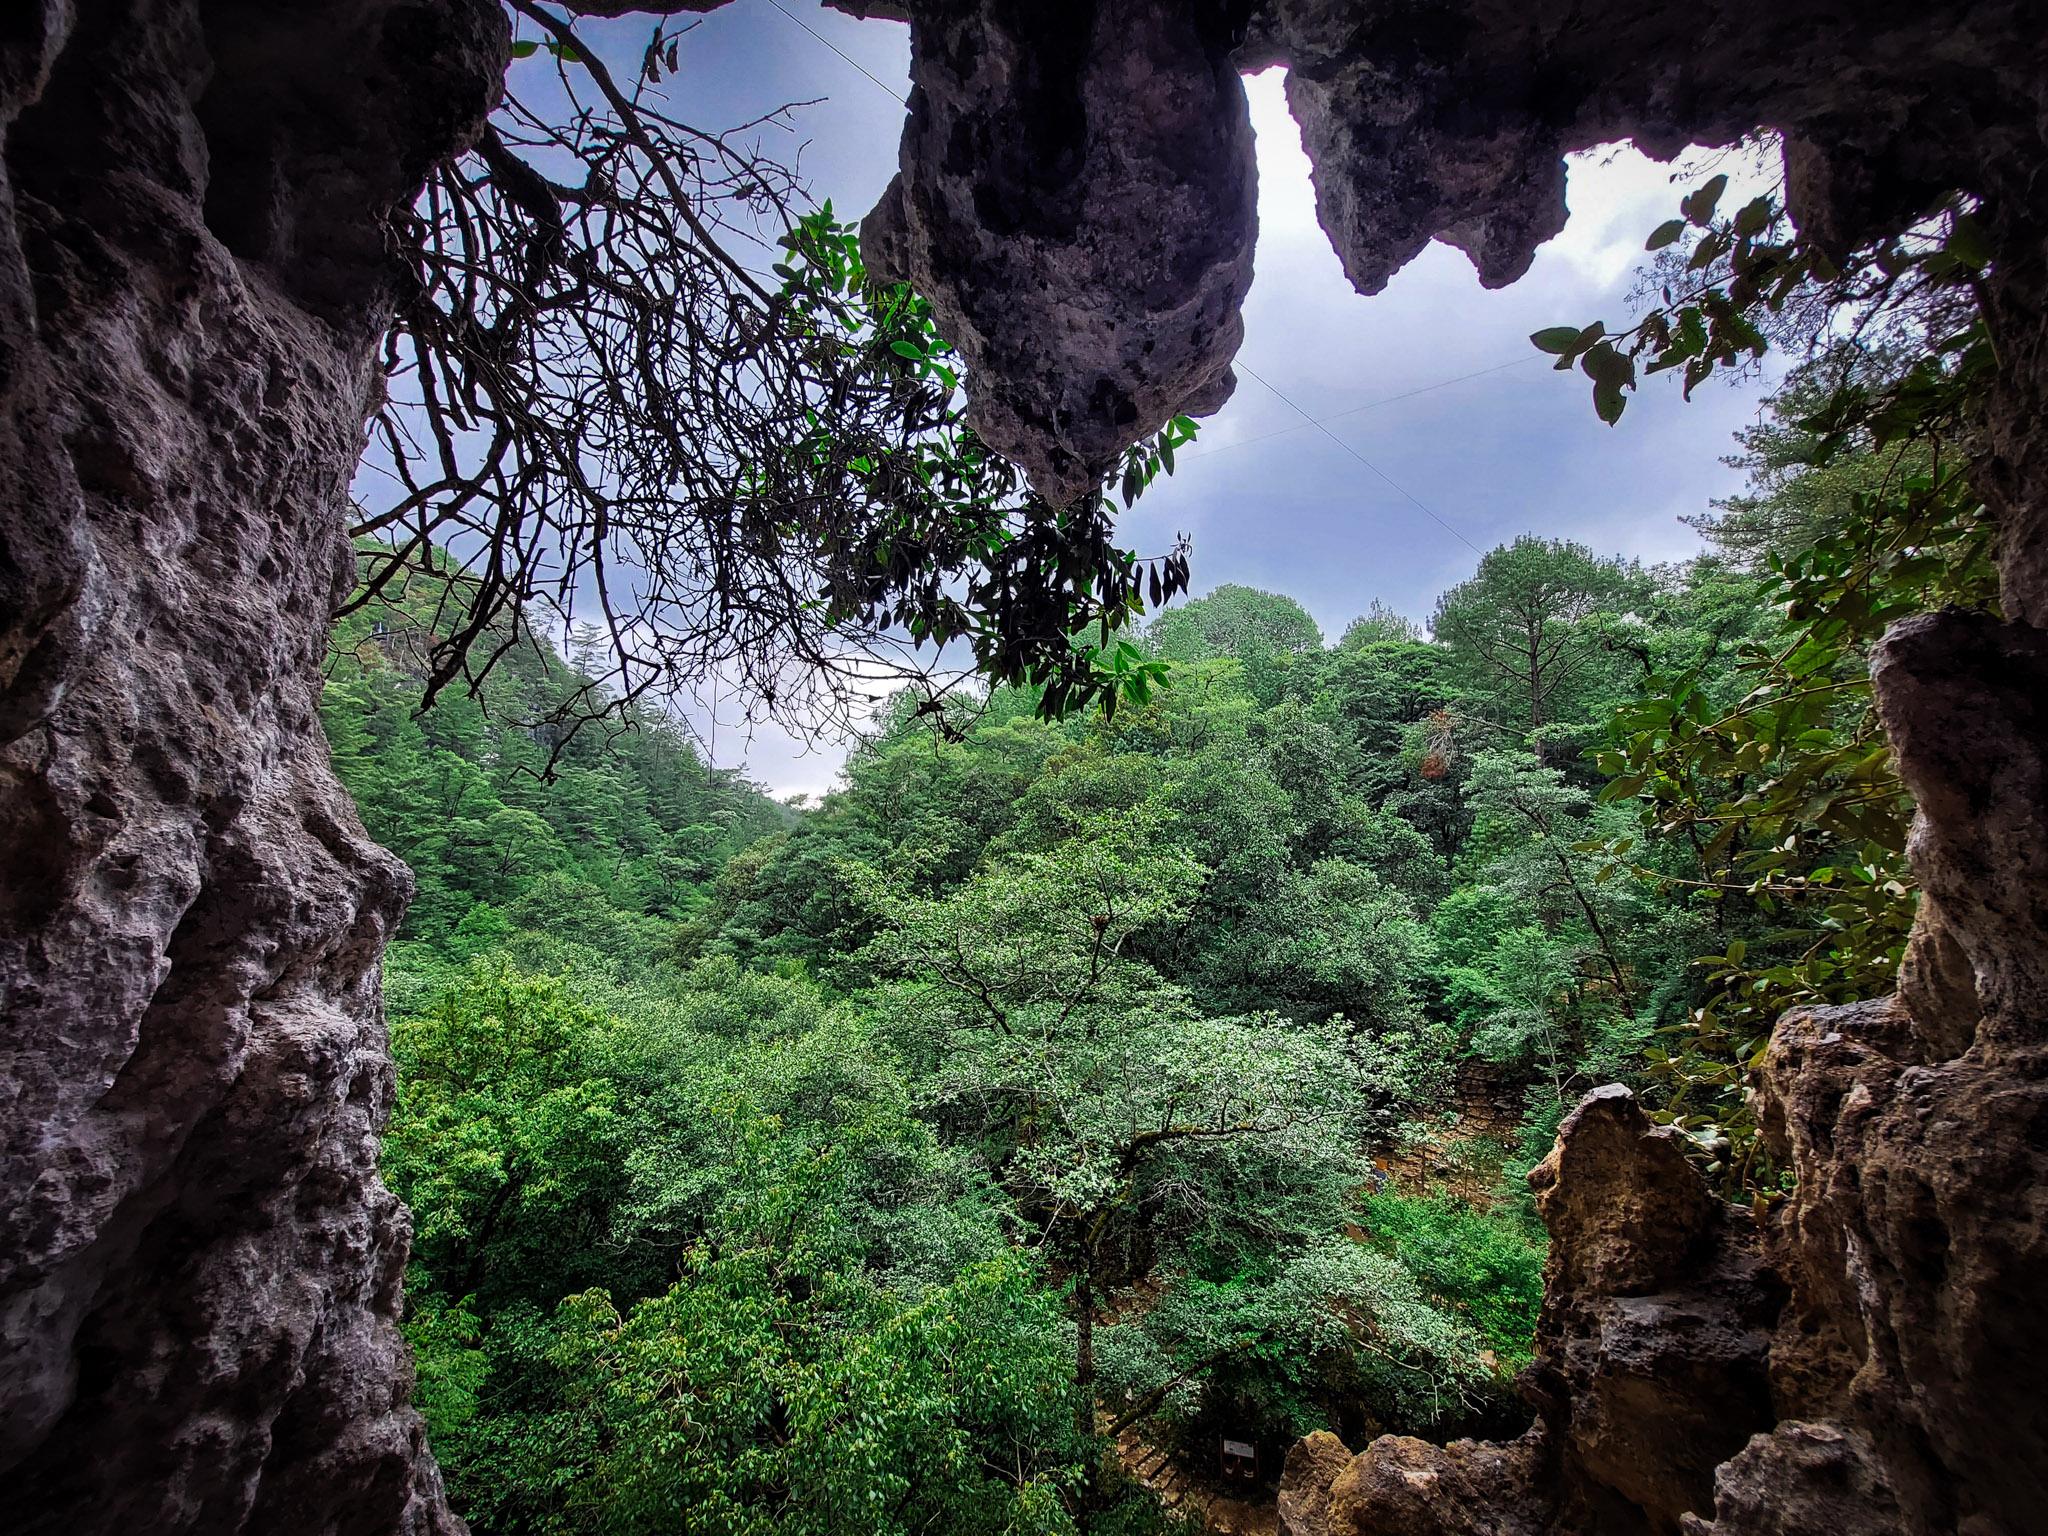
(1699,207)
(1754,217)
(525,48)
(1970,243)
(1557,340)
(1604,364)
(909,349)
(1664,234)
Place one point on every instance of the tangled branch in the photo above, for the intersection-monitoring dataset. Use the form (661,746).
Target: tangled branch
(637,383)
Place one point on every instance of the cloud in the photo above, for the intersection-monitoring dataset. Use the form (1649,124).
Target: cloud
(1432,384)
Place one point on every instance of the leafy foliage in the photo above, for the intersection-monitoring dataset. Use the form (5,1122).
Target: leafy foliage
(1482,1263)
(1030,1085)
(598,412)
(1069,1130)
(951,544)
(858,1170)
(494,806)
(1774,772)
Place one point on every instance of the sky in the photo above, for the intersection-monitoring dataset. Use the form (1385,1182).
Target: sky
(1422,465)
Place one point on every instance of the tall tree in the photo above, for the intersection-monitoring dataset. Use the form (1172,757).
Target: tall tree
(1270,636)
(1139,1139)
(1527,624)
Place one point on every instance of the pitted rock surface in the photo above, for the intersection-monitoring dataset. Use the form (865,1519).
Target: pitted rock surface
(199,1269)
(1076,186)
(1402,1486)
(1078,200)
(1313,1466)
(1650,1363)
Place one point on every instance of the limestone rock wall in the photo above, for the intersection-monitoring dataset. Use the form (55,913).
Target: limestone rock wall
(199,1270)
(1078,200)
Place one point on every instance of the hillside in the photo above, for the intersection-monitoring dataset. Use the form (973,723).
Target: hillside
(1166,1072)
(583,841)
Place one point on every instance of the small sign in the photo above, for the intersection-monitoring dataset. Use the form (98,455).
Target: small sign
(1239,1448)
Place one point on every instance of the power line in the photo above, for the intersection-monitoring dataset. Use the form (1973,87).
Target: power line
(1391,483)
(1370,405)
(893,94)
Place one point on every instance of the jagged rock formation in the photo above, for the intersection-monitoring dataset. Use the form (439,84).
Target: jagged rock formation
(1657,1319)
(1078,200)
(1907,1367)
(199,1269)
(1076,187)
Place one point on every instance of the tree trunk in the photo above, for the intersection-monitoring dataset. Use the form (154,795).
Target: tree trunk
(478,1257)
(1084,1356)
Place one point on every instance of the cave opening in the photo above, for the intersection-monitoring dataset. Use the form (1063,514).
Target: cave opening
(1092,1090)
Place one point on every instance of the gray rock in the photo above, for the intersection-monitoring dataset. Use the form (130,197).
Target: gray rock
(1076,186)
(1078,200)
(1313,1467)
(199,1270)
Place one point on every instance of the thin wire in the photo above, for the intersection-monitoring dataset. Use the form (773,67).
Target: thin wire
(893,94)
(1245,442)
(1373,405)
(1370,405)
(1392,483)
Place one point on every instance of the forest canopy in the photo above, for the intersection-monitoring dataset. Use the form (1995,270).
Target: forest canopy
(1165,1074)
(1143,1049)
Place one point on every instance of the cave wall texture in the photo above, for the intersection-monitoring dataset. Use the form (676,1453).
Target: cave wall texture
(198,1268)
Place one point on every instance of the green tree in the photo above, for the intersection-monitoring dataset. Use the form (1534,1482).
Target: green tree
(776,1388)
(1271,637)
(1528,627)
(1864,514)
(1140,1139)
(503,1140)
